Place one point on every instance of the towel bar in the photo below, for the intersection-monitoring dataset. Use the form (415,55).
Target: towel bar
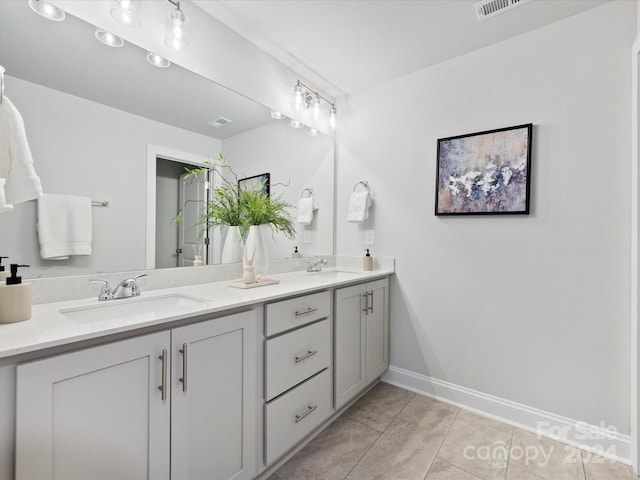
(308,189)
(95,203)
(1,83)
(364,183)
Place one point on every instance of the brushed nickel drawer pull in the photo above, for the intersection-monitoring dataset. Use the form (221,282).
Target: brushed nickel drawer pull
(163,387)
(366,302)
(306,311)
(310,353)
(310,409)
(371,307)
(183,351)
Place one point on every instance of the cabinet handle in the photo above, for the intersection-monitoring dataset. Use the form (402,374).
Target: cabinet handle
(370,308)
(310,353)
(183,351)
(366,302)
(163,387)
(306,311)
(310,409)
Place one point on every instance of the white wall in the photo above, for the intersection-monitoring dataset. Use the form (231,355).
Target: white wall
(533,309)
(84,148)
(295,161)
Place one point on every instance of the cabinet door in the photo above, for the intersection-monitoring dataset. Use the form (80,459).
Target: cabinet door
(96,413)
(349,343)
(376,329)
(213,432)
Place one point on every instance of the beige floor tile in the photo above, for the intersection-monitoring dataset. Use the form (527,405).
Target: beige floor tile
(430,414)
(444,471)
(518,472)
(600,468)
(332,454)
(546,458)
(403,452)
(379,406)
(477,445)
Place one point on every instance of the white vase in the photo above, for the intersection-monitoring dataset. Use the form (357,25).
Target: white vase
(232,249)
(255,246)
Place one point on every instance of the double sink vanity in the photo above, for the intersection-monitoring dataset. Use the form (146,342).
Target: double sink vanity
(192,381)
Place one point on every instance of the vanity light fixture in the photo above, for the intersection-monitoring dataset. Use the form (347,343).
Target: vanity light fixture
(277,115)
(126,12)
(313,132)
(46,10)
(296,124)
(108,38)
(157,61)
(175,33)
(307,97)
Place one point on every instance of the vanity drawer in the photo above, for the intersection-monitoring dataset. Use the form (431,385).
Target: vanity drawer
(297,413)
(295,356)
(295,312)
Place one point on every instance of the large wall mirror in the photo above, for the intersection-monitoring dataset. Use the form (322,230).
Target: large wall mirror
(104,123)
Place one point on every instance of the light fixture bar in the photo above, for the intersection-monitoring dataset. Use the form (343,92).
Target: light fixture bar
(312,91)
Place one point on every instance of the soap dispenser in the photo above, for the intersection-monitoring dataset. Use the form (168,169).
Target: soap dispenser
(296,253)
(367,262)
(15,298)
(3,273)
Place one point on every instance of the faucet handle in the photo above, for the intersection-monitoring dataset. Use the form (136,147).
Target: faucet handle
(105,291)
(135,290)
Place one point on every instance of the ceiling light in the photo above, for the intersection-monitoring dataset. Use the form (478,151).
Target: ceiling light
(126,12)
(108,38)
(298,93)
(157,61)
(175,33)
(277,115)
(47,10)
(296,123)
(332,117)
(312,100)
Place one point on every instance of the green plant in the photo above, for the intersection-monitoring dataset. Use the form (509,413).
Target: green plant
(260,209)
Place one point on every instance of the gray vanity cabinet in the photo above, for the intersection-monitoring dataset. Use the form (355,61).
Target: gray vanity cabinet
(173,404)
(361,337)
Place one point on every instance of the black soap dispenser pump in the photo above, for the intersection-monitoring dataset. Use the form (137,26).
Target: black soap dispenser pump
(15,298)
(296,253)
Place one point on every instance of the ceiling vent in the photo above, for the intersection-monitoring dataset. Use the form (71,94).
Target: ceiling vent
(219,122)
(490,8)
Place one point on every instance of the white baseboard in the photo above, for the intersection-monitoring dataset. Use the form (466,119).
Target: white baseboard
(592,438)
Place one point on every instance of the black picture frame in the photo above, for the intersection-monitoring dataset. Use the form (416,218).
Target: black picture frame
(251,183)
(485,173)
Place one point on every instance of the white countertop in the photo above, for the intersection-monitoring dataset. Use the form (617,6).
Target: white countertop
(49,327)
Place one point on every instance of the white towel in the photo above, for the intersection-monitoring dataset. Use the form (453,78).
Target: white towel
(16,163)
(359,206)
(306,206)
(64,226)
(4,207)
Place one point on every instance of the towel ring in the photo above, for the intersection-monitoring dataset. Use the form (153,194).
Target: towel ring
(364,183)
(1,83)
(307,190)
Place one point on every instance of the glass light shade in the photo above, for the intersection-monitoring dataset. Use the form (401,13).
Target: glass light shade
(277,115)
(47,10)
(298,92)
(108,38)
(332,118)
(296,123)
(313,132)
(157,61)
(175,32)
(315,107)
(126,12)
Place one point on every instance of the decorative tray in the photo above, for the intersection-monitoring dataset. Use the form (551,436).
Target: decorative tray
(261,283)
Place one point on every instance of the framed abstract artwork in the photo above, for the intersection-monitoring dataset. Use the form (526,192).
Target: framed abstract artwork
(260,182)
(485,173)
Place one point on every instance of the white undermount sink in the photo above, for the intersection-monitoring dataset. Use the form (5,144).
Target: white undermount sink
(155,307)
(334,275)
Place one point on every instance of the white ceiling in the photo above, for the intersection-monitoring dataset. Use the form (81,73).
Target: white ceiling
(344,46)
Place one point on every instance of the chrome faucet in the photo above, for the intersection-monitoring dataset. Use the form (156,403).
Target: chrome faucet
(125,289)
(316,265)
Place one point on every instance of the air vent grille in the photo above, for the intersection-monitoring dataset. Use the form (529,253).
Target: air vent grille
(219,122)
(490,8)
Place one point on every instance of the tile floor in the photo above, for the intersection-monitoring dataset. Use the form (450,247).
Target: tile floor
(393,434)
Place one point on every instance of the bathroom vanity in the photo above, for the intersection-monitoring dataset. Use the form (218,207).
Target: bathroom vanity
(226,383)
